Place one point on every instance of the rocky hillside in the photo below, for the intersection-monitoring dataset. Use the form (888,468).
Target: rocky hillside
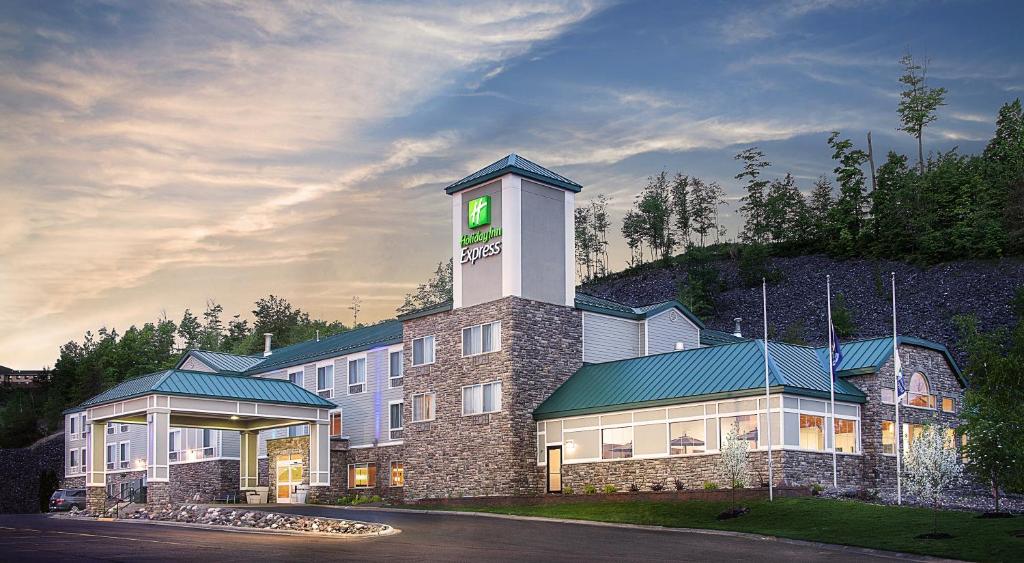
(927,298)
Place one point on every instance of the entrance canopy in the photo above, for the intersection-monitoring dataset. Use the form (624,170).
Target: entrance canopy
(192,399)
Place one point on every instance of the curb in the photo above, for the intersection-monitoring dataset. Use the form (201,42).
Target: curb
(898,555)
(388,531)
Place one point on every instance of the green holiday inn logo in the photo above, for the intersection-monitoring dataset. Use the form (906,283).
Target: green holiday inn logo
(479,214)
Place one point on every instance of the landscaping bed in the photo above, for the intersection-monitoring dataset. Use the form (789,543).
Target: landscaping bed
(253,519)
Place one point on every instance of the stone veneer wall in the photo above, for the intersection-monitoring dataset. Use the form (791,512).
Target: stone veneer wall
(491,454)
(278,447)
(203,481)
(693,471)
(30,473)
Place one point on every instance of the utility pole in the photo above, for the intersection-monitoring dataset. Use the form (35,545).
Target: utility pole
(354,307)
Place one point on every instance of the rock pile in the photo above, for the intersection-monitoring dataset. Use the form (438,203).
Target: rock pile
(241,518)
(964,499)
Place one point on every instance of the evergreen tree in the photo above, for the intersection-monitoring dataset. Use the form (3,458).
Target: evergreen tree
(189,331)
(1004,157)
(783,209)
(819,213)
(848,211)
(918,102)
(213,328)
(891,208)
(754,208)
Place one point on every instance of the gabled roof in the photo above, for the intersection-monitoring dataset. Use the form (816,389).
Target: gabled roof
(222,361)
(348,342)
(209,385)
(712,337)
(519,165)
(700,374)
(869,355)
(614,308)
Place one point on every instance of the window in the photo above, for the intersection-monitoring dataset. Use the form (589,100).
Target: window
(423,351)
(397,474)
(298,430)
(173,444)
(335,425)
(481,339)
(123,455)
(617,443)
(362,475)
(73,459)
(481,399)
(123,428)
(110,428)
(356,376)
(73,428)
(325,381)
(746,425)
(687,437)
(81,458)
(888,396)
(948,404)
(395,420)
(812,432)
(111,455)
(395,360)
(846,435)
(422,407)
(207,438)
(911,432)
(295,378)
(920,393)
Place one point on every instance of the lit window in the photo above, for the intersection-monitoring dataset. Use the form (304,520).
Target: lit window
(920,393)
(616,443)
(395,360)
(687,437)
(356,376)
(948,404)
(481,339)
(422,407)
(911,432)
(362,475)
(481,399)
(423,351)
(325,381)
(846,435)
(335,425)
(397,474)
(812,432)
(395,420)
(888,438)
(747,429)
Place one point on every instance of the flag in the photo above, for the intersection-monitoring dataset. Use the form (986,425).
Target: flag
(901,388)
(836,353)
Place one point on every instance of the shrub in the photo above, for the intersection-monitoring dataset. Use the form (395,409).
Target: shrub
(710,486)
(567,490)
(376,498)
(609,489)
(680,485)
(634,488)
(657,487)
(817,488)
(589,490)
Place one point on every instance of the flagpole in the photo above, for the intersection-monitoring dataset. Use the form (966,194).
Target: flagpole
(896,395)
(831,382)
(767,394)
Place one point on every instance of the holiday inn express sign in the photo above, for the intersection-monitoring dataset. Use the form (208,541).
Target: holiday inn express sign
(479,244)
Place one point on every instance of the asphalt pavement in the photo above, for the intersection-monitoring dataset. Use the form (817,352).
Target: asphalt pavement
(423,537)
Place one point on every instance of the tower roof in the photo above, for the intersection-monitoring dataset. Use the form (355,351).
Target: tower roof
(518,165)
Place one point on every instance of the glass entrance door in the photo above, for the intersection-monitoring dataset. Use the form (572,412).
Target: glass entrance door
(555,469)
(289,476)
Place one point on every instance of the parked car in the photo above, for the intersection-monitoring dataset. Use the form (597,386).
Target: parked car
(64,499)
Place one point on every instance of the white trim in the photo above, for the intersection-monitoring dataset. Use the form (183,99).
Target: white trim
(401,367)
(348,375)
(570,248)
(643,345)
(433,350)
(511,235)
(402,411)
(482,351)
(462,397)
(341,417)
(456,250)
(367,464)
(379,444)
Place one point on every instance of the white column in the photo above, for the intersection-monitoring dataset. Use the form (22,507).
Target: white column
(158,424)
(248,468)
(511,236)
(319,455)
(95,450)
(456,250)
(570,248)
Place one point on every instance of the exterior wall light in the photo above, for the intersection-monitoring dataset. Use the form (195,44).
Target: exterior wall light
(570,446)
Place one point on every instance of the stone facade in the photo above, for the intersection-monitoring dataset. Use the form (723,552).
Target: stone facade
(286,446)
(158,493)
(31,474)
(203,481)
(490,454)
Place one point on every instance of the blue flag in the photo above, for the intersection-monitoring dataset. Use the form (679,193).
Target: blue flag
(836,353)
(901,388)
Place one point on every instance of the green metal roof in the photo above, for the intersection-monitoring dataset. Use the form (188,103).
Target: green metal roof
(614,308)
(348,342)
(869,355)
(519,165)
(729,370)
(712,337)
(222,361)
(209,385)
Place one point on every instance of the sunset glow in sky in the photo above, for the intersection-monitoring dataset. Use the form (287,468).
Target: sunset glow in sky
(157,155)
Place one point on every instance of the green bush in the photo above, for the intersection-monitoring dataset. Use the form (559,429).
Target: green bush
(817,488)
(589,490)
(567,490)
(609,489)
(710,486)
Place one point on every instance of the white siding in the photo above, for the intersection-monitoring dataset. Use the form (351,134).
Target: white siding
(669,327)
(193,364)
(609,338)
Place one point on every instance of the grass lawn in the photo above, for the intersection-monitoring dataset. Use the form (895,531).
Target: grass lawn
(832,521)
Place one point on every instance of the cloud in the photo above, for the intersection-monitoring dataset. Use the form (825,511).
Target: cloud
(765,20)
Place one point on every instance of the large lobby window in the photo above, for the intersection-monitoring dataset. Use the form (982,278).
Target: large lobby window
(812,432)
(687,437)
(423,351)
(481,339)
(846,435)
(397,474)
(920,392)
(617,443)
(747,429)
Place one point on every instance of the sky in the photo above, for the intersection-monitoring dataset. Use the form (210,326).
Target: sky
(157,155)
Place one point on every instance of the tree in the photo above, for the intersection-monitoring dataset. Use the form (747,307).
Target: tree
(699,290)
(918,102)
(732,462)
(681,209)
(189,330)
(213,329)
(819,212)
(933,467)
(753,210)
(654,205)
(848,211)
(1004,157)
(436,290)
(705,199)
(633,232)
(586,243)
(891,203)
(599,229)
(783,210)
(842,319)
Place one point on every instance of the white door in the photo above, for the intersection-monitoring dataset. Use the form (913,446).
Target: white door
(289,476)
